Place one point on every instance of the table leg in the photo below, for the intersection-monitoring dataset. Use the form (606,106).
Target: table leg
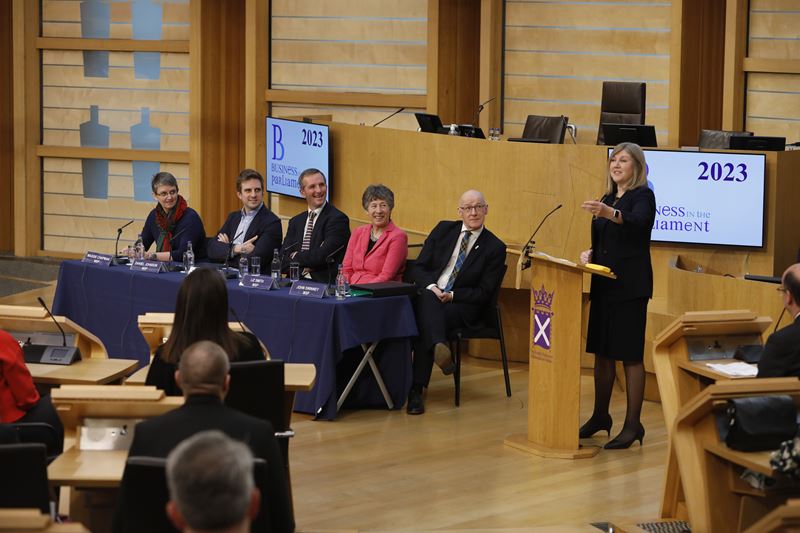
(368,351)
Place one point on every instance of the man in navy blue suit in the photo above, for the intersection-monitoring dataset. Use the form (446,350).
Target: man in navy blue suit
(781,355)
(252,230)
(459,267)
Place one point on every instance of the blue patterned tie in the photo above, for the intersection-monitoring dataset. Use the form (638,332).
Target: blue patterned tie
(462,254)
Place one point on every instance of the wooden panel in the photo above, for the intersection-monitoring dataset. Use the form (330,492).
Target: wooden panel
(773,105)
(117,45)
(6,130)
(558,53)
(346,98)
(349,45)
(352,115)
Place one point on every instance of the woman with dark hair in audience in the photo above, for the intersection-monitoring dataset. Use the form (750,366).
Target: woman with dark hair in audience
(19,400)
(621,224)
(201,313)
(172,225)
(377,251)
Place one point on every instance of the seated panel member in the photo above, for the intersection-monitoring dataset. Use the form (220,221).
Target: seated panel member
(172,224)
(252,230)
(201,313)
(316,239)
(377,251)
(203,375)
(781,355)
(460,264)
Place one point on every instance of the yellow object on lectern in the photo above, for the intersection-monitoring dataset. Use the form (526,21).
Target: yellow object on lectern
(599,268)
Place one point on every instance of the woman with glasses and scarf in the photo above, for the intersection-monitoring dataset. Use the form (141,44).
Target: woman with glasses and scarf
(172,225)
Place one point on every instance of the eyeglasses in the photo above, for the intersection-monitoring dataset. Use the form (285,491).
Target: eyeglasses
(472,208)
(164,194)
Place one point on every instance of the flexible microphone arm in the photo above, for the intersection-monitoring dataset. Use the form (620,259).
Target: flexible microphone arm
(328,261)
(528,248)
(231,244)
(239,320)
(119,234)
(480,108)
(63,335)
(381,121)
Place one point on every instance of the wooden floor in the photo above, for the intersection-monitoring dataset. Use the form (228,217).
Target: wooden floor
(448,470)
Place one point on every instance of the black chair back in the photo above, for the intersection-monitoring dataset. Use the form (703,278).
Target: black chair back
(623,102)
(257,389)
(551,129)
(719,138)
(143,497)
(42,433)
(23,477)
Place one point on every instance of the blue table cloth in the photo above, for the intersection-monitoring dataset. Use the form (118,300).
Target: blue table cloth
(108,300)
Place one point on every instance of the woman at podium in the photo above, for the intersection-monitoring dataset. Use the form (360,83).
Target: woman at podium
(621,223)
(201,313)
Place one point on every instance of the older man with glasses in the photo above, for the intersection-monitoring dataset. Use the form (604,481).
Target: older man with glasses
(460,265)
(781,355)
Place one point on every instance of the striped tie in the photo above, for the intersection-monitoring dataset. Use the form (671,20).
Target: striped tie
(462,254)
(309,229)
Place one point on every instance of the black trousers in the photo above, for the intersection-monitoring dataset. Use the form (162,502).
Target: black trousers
(434,320)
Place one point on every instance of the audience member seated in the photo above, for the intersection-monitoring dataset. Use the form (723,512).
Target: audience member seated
(253,230)
(376,252)
(201,313)
(458,268)
(211,487)
(19,400)
(316,238)
(781,355)
(203,376)
(172,225)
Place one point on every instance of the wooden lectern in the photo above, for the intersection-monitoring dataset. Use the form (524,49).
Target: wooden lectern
(33,319)
(554,379)
(681,379)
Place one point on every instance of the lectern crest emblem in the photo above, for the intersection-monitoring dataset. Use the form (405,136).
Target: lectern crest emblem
(542,317)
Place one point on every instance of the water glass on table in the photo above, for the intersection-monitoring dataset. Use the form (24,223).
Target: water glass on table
(255,265)
(294,270)
(243,266)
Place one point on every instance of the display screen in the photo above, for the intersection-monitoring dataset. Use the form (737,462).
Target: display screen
(707,197)
(293,147)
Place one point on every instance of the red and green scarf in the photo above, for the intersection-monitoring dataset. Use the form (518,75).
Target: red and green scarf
(166,222)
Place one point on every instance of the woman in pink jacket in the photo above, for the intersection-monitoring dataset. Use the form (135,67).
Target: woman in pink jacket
(376,252)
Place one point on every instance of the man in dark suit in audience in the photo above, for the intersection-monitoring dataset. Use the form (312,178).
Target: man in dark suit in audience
(781,355)
(203,377)
(317,237)
(460,264)
(252,230)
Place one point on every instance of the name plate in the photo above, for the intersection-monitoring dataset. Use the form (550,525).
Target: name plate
(252,281)
(308,289)
(96,258)
(144,265)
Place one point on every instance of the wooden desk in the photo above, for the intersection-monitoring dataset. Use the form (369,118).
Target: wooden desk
(88,468)
(33,521)
(96,371)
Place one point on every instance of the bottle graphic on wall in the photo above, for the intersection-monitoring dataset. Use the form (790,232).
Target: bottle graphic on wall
(95,171)
(144,137)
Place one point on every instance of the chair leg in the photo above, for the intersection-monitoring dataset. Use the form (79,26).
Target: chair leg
(457,373)
(503,353)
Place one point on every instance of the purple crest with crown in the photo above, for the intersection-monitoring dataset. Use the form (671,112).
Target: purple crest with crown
(542,317)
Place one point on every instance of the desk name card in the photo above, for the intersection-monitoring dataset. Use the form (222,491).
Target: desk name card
(308,289)
(144,265)
(252,281)
(96,258)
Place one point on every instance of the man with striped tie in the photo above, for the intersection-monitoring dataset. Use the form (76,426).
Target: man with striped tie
(459,266)
(317,237)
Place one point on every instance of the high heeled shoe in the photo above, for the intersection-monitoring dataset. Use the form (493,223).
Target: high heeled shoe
(592,426)
(621,443)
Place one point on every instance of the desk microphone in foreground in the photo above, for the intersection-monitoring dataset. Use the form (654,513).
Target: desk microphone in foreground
(117,259)
(381,121)
(528,248)
(52,355)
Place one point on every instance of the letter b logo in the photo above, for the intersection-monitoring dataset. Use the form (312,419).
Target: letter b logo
(277,144)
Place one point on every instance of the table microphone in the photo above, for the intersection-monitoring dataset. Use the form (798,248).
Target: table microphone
(328,261)
(116,243)
(56,355)
(241,324)
(480,108)
(387,118)
(528,248)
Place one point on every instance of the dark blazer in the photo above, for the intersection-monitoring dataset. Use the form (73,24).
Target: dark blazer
(265,224)
(331,232)
(156,437)
(162,374)
(781,355)
(625,248)
(479,276)
(190,227)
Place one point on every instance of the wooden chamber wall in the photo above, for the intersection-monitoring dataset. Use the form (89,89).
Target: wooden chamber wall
(6,131)
(557,55)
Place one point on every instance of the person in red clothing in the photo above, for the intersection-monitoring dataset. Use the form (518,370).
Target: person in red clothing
(19,399)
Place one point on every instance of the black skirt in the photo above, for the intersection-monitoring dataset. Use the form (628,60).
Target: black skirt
(616,329)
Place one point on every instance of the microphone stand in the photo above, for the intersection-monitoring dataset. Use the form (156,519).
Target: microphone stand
(329,260)
(381,121)
(526,260)
(116,243)
(480,108)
